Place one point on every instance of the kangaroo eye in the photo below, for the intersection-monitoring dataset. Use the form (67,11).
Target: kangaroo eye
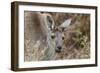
(52,36)
(63,38)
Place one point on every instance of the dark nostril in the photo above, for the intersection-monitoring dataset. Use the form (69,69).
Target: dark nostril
(59,47)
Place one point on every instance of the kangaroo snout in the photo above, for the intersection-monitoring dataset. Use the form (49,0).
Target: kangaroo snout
(59,49)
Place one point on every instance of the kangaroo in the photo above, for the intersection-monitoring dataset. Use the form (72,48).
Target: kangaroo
(41,27)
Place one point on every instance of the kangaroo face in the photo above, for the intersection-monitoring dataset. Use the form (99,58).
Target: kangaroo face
(58,37)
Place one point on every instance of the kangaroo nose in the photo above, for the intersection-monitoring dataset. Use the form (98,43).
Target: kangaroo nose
(59,47)
(58,50)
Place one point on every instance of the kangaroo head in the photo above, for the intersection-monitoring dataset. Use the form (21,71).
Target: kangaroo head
(56,33)
(59,35)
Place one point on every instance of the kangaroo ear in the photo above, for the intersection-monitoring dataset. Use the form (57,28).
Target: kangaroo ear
(65,24)
(50,22)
